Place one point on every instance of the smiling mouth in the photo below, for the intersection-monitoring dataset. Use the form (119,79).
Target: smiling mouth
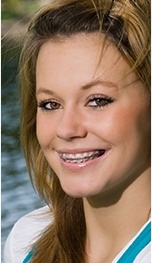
(81,157)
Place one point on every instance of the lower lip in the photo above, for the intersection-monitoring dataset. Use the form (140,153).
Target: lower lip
(79,166)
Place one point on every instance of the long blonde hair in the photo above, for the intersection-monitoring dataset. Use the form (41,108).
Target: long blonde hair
(126,24)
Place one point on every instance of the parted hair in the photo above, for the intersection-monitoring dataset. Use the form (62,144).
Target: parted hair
(126,23)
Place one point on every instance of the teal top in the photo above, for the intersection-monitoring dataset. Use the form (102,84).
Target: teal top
(141,241)
(28,257)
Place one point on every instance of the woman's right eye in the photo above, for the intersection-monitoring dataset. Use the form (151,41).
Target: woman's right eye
(49,105)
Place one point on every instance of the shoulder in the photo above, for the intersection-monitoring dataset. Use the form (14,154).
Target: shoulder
(24,233)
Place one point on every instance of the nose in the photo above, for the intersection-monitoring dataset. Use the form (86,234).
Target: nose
(71,125)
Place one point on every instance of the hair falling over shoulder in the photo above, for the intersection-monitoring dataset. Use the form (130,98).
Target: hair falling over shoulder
(126,23)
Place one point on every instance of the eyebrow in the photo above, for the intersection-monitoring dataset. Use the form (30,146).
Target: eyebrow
(45,91)
(87,86)
(108,84)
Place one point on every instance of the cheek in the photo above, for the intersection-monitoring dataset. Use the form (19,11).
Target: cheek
(44,130)
(123,123)
(112,125)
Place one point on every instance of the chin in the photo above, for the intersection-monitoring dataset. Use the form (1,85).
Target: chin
(78,192)
(74,193)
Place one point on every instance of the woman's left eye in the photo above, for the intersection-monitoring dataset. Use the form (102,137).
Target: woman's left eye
(99,102)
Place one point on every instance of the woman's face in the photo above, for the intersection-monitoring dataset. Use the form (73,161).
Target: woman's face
(93,119)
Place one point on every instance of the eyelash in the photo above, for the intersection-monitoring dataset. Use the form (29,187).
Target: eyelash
(94,99)
(43,105)
(97,99)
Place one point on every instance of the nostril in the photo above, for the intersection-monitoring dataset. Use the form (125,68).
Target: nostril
(70,134)
(71,130)
(71,124)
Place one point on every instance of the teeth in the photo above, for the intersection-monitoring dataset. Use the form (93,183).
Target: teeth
(81,157)
(77,155)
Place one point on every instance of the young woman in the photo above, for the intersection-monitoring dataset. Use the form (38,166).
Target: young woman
(85,131)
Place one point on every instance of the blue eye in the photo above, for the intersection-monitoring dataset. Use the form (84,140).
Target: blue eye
(49,105)
(99,101)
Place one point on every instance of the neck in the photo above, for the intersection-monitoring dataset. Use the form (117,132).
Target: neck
(112,219)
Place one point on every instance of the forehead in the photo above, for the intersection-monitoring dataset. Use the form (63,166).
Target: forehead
(80,57)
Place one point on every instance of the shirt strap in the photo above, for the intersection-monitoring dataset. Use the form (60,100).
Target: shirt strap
(138,244)
(28,257)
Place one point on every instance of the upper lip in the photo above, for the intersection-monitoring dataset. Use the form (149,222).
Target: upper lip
(75,151)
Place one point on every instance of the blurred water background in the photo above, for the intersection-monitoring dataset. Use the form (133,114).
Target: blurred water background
(18,196)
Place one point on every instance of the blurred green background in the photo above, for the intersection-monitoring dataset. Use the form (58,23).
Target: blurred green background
(18,8)
(18,196)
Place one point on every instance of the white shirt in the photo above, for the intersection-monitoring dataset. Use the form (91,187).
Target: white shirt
(27,230)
